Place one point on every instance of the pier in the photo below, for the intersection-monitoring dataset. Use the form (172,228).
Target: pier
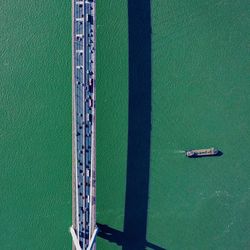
(83,229)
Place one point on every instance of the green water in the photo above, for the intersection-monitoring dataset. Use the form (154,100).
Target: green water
(200,98)
(35,81)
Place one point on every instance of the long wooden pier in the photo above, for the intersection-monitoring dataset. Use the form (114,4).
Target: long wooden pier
(83,229)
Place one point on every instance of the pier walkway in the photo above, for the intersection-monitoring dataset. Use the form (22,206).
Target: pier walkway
(84,228)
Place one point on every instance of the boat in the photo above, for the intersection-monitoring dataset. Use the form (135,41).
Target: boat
(201,152)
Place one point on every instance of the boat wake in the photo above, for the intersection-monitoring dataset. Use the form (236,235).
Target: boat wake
(179,151)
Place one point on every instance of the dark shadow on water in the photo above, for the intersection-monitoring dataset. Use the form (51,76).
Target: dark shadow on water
(117,237)
(134,233)
(220,153)
(139,124)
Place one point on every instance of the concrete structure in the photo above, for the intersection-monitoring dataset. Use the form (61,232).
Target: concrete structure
(84,228)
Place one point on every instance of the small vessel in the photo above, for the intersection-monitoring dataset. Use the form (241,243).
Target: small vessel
(202,152)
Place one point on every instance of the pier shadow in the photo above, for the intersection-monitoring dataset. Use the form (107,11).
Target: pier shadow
(116,236)
(134,232)
(139,124)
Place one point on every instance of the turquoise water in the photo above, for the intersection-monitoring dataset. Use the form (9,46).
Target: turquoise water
(200,97)
(35,80)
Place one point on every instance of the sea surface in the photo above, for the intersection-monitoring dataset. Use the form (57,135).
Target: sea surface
(199,97)
(35,125)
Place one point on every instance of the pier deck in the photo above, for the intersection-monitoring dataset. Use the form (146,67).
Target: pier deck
(83,228)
